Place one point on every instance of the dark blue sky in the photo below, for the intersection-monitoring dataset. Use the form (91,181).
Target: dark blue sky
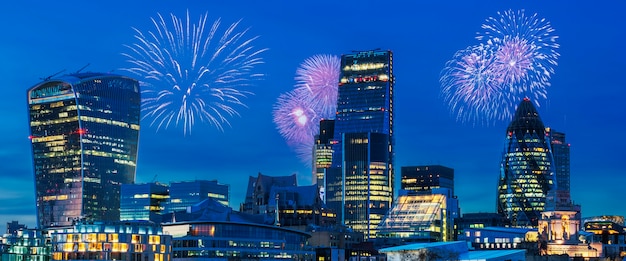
(585,99)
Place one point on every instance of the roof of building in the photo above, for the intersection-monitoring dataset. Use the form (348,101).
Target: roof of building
(461,245)
(212,210)
(526,118)
(519,230)
(269,181)
(299,195)
(490,254)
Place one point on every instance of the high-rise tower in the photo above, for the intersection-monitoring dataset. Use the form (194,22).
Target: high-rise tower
(560,153)
(360,181)
(84,132)
(323,155)
(526,172)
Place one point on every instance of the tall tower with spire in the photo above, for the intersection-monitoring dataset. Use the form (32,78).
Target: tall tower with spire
(526,171)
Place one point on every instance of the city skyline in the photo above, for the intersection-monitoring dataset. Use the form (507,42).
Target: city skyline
(583,100)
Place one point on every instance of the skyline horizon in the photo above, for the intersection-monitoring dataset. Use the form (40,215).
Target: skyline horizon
(583,100)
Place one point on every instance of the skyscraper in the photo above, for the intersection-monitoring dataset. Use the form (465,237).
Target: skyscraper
(526,172)
(360,181)
(323,155)
(560,153)
(84,132)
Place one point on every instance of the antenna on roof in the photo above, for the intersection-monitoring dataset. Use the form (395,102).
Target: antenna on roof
(48,78)
(82,68)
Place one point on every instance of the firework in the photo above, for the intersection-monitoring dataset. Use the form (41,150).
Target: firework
(471,86)
(526,51)
(319,77)
(193,71)
(295,118)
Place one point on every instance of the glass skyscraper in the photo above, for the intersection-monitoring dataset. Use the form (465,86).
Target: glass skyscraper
(560,153)
(84,132)
(526,172)
(323,155)
(360,181)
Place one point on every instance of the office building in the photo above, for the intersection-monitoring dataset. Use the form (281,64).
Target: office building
(425,216)
(111,241)
(258,195)
(212,231)
(526,172)
(323,155)
(84,129)
(143,201)
(425,178)
(561,167)
(184,194)
(359,185)
(292,206)
(26,245)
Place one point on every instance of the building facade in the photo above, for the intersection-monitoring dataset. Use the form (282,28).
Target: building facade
(426,216)
(323,155)
(425,178)
(143,201)
(212,231)
(561,156)
(359,185)
(111,241)
(526,171)
(25,245)
(184,194)
(84,129)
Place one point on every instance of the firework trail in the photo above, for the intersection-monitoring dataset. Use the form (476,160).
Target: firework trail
(526,51)
(319,76)
(192,71)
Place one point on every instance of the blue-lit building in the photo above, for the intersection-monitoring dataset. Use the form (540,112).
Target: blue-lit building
(143,201)
(184,194)
(526,171)
(84,129)
(359,185)
(111,241)
(25,245)
(212,231)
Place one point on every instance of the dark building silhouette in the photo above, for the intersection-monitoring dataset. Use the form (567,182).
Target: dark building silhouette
(424,178)
(84,129)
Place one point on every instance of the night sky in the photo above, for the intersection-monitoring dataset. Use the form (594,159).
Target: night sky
(585,100)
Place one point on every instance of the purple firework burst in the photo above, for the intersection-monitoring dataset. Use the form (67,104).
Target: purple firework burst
(192,71)
(472,88)
(319,76)
(295,118)
(526,51)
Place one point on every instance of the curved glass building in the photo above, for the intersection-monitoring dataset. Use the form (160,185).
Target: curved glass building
(526,173)
(84,129)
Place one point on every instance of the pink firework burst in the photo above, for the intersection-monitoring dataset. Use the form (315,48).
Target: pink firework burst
(319,77)
(295,118)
